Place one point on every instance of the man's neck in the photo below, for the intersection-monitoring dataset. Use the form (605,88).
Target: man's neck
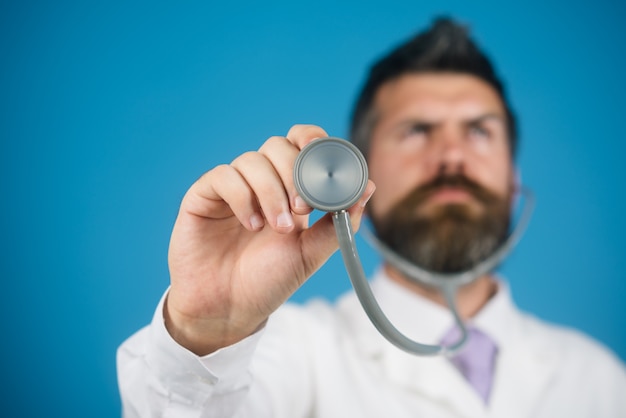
(470,298)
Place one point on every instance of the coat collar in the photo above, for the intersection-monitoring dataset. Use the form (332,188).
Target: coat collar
(524,364)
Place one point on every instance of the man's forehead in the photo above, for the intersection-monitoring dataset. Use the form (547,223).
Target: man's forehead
(433,96)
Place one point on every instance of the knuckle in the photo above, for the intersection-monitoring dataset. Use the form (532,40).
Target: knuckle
(245,158)
(219,171)
(273,142)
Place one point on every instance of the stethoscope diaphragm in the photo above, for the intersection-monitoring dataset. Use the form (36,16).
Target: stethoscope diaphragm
(330,174)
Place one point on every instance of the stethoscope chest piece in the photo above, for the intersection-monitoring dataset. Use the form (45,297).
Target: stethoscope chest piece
(330,174)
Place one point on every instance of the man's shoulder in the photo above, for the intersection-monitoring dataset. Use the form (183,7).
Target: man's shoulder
(571,345)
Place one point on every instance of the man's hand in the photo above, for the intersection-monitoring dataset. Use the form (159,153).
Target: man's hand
(242,245)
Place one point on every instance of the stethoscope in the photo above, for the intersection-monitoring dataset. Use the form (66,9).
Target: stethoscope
(331,174)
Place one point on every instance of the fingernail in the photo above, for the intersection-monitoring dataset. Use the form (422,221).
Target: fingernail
(284,220)
(256,221)
(299,203)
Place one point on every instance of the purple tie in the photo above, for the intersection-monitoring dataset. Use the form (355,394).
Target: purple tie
(476,360)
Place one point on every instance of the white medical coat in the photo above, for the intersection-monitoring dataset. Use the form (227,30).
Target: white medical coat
(322,360)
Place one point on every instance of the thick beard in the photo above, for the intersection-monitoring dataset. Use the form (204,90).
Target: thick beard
(454,237)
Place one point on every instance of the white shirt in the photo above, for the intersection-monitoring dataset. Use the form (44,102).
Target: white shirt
(323,360)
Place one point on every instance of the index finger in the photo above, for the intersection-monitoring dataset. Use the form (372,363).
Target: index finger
(301,135)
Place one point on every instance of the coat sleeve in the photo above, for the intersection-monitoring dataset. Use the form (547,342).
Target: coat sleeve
(159,378)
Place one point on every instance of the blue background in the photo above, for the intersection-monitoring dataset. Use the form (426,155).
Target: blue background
(110,110)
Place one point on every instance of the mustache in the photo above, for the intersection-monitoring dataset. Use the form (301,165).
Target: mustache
(456,181)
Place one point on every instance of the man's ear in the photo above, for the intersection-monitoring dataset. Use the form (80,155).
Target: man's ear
(516,184)
(517,178)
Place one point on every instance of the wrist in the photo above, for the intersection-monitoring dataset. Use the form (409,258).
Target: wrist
(204,336)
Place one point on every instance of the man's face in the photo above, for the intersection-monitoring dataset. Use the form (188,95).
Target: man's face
(440,158)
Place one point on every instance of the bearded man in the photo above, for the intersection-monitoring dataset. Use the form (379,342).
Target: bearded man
(439,136)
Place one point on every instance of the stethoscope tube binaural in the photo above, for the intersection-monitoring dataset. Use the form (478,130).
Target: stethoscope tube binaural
(330,174)
(347,246)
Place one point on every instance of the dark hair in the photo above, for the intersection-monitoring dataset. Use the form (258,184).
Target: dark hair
(445,47)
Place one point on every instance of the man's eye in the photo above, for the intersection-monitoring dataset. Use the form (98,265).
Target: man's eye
(478,132)
(418,130)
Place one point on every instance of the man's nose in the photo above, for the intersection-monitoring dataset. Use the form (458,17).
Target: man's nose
(452,153)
